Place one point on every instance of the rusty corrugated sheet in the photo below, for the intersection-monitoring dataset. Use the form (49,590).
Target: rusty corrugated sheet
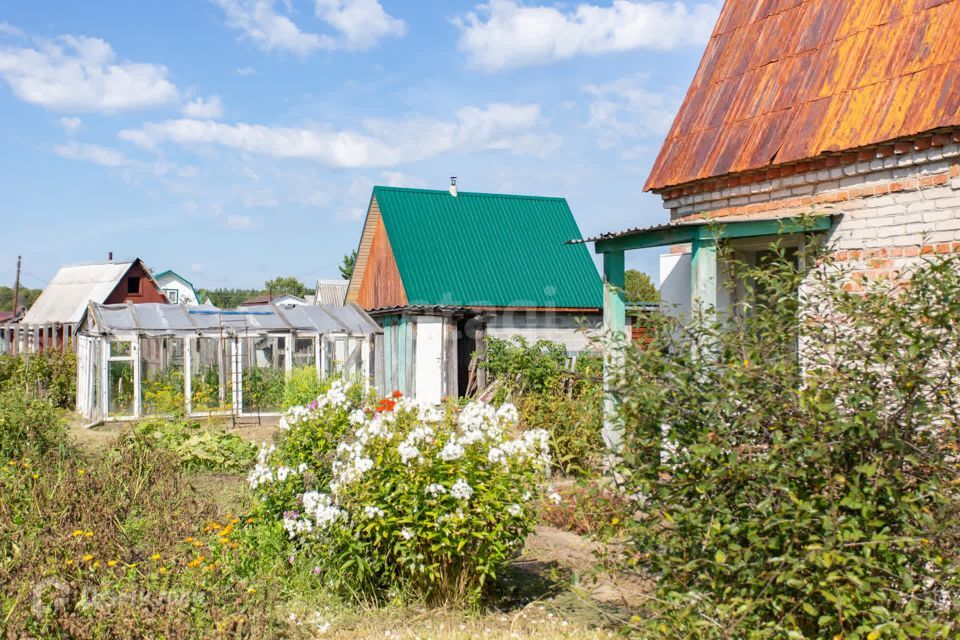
(788,80)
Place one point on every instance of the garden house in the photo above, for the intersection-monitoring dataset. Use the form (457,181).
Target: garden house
(442,270)
(155,359)
(840,119)
(177,289)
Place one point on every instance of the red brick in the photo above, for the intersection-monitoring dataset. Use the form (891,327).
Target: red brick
(911,252)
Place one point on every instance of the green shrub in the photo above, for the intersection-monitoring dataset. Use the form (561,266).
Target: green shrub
(49,375)
(195,447)
(163,393)
(304,386)
(28,426)
(410,501)
(568,404)
(781,501)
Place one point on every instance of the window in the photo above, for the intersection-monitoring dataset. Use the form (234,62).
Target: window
(133,284)
(172,295)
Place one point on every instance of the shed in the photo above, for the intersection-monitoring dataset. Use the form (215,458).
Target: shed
(331,291)
(150,359)
(64,300)
(443,270)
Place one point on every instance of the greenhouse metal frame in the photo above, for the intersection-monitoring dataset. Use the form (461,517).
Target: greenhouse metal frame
(136,360)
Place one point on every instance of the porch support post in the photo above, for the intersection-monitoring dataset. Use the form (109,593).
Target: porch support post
(703,277)
(614,321)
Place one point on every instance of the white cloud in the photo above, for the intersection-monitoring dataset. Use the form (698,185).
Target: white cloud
(197,267)
(103,156)
(71,125)
(8,29)
(267,29)
(625,109)
(239,223)
(361,23)
(79,73)
(397,179)
(246,71)
(381,143)
(502,33)
(210,108)
(261,198)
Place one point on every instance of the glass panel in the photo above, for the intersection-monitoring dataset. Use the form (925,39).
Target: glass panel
(120,349)
(264,376)
(96,368)
(211,385)
(121,388)
(161,376)
(353,364)
(304,353)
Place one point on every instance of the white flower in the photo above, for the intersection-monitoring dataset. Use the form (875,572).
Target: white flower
(435,489)
(373,512)
(406,533)
(515,510)
(451,451)
(283,473)
(461,490)
(322,508)
(554,497)
(407,452)
(357,418)
(297,526)
(508,413)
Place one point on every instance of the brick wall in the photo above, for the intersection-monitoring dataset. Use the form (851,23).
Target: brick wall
(895,207)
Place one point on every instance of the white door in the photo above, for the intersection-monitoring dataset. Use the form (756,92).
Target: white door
(429,383)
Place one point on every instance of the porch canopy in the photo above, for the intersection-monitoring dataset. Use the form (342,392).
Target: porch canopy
(703,237)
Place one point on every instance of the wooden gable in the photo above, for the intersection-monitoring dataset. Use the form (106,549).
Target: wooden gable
(376,281)
(136,286)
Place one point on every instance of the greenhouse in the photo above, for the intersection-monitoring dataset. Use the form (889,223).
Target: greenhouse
(138,360)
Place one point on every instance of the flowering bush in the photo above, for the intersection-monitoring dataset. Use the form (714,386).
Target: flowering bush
(411,499)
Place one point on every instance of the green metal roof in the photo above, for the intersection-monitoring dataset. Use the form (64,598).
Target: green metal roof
(483,249)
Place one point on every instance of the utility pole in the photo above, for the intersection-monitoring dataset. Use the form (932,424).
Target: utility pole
(16,288)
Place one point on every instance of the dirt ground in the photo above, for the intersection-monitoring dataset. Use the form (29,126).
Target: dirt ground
(555,589)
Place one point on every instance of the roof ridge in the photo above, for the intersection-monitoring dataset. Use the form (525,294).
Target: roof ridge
(481,194)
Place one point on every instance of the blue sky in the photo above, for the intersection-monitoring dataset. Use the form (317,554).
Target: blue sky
(236,140)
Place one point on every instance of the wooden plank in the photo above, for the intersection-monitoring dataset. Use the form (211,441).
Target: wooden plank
(703,276)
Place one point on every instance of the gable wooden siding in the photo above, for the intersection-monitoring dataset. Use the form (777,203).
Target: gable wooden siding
(376,282)
(149,292)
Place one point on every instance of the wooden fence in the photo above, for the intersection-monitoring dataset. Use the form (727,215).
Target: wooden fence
(16,339)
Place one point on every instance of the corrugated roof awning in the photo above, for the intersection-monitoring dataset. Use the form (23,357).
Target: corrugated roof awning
(715,229)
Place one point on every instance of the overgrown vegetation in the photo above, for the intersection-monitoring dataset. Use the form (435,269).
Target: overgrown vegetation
(553,394)
(195,447)
(800,497)
(49,375)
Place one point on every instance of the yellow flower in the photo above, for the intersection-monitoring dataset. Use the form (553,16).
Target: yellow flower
(132,565)
(249,520)
(81,472)
(77,533)
(235,521)
(198,544)
(251,590)
(88,557)
(96,565)
(873,635)
(189,539)
(88,534)
(69,562)
(155,556)
(162,570)
(111,563)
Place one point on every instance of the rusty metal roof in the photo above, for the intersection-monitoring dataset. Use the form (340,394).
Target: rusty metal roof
(788,80)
